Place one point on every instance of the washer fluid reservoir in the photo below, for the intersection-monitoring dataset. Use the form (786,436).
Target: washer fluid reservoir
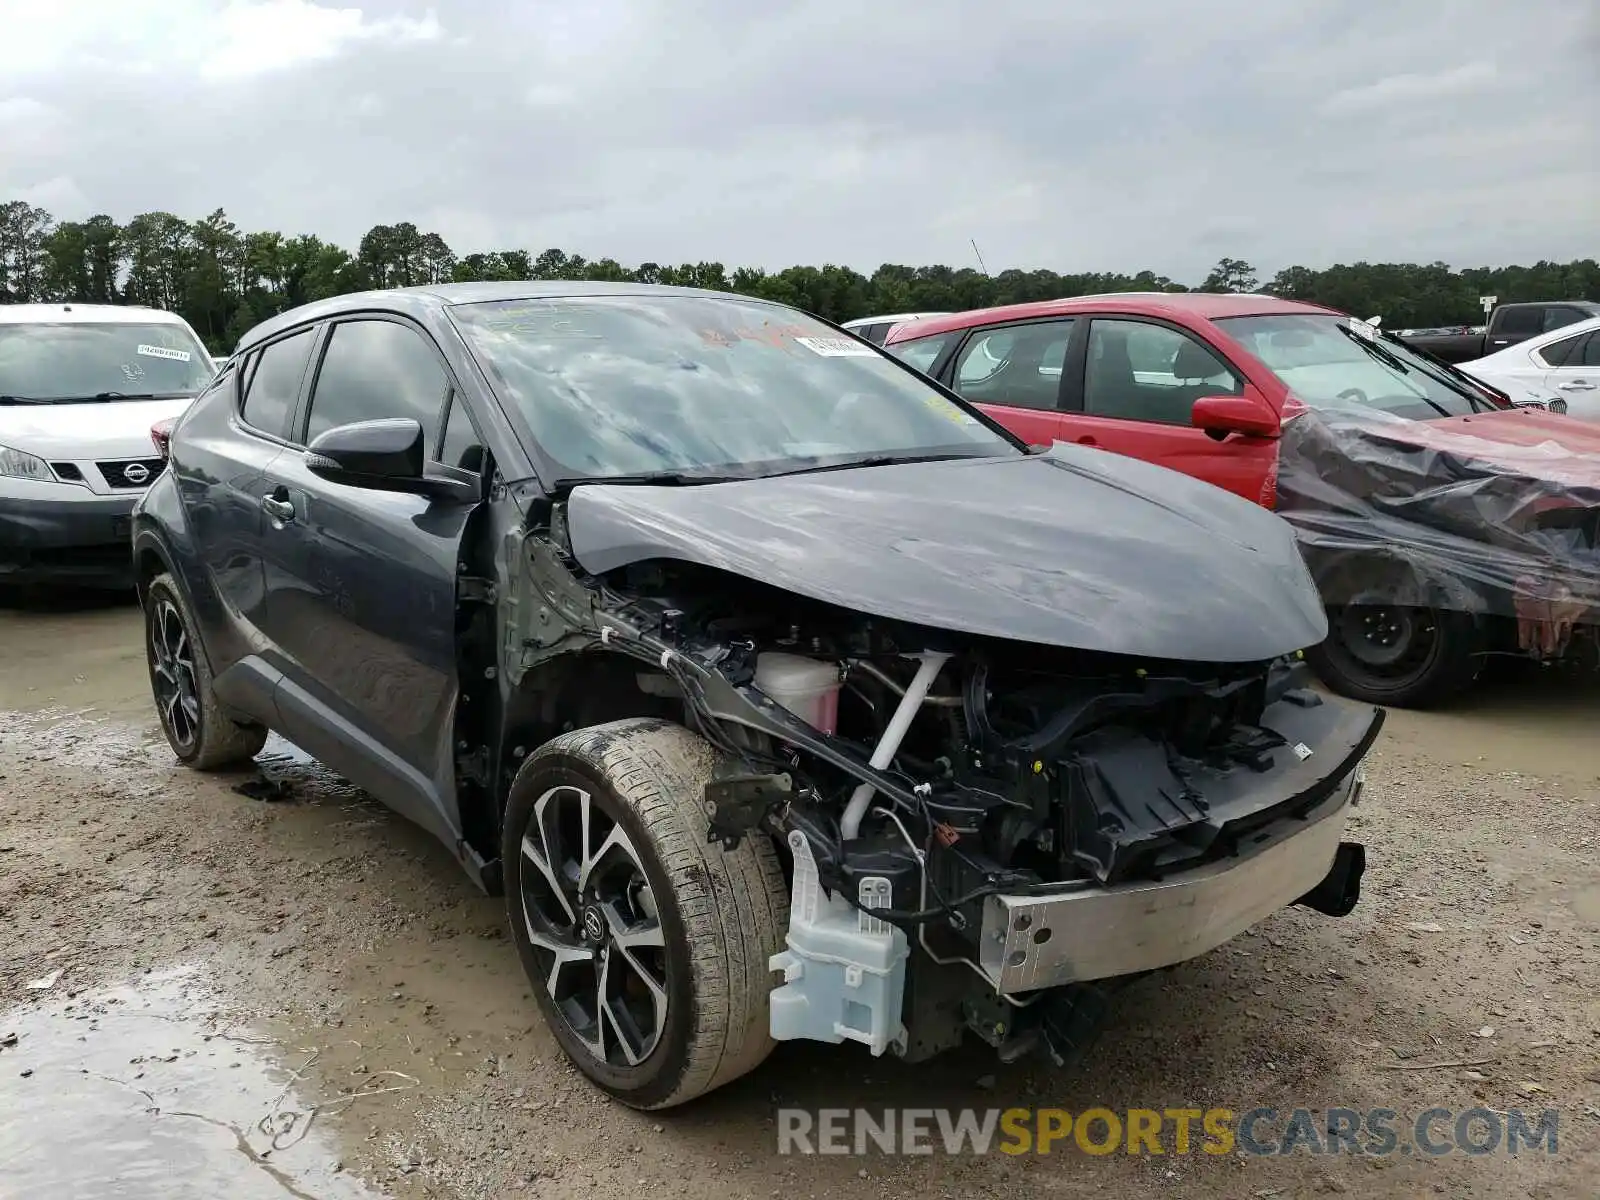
(807,687)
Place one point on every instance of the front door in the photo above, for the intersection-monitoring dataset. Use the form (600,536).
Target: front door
(365,624)
(1135,396)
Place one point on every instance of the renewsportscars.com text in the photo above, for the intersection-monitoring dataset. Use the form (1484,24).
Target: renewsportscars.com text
(1175,1131)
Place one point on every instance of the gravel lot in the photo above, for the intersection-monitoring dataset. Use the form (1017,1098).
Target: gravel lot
(217,964)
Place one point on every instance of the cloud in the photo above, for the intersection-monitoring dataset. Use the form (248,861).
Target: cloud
(1147,134)
(273,35)
(1413,87)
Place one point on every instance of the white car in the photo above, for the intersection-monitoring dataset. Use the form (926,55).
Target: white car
(1565,361)
(875,329)
(80,387)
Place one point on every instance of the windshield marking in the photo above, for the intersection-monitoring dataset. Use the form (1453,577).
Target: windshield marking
(163,352)
(836,347)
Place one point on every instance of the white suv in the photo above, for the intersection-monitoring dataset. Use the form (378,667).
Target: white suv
(80,387)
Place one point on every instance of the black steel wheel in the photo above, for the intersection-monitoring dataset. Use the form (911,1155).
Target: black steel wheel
(201,733)
(1407,656)
(646,945)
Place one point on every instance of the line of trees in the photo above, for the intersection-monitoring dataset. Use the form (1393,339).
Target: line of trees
(224,280)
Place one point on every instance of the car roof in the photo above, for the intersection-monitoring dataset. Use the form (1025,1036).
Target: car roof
(1207,305)
(87,314)
(428,299)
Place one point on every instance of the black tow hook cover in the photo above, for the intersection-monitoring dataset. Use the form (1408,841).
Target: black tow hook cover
(736,804)
(1340,889)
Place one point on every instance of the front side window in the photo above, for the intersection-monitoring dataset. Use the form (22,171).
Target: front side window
(640,384)
(1140,371)
(461,447)
(1329,363)
(1018,366)
(376,369)
(73,361)
(274,383)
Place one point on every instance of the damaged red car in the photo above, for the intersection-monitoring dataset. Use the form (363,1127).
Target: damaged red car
(1442,522)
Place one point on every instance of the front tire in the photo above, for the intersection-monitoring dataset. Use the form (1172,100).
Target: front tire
(200,731)
(646,945)
(1407,657)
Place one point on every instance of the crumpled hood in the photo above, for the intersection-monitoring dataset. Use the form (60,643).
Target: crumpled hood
(1526,442)
(1078,548)
(81,432)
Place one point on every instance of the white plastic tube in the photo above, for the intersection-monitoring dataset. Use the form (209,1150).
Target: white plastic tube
(889,744)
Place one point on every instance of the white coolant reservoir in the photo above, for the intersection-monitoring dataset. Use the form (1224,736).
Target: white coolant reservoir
(805,686)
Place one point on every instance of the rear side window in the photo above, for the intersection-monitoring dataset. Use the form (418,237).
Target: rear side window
(1566,352)
(377,369)
(1560,318)
(275,383)
(923,352)
(1018,366)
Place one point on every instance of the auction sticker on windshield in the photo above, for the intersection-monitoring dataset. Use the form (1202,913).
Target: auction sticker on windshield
(163,352)
(837,347)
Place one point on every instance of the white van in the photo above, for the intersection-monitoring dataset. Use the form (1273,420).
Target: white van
(80,387)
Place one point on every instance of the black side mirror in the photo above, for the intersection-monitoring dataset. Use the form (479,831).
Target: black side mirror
(387,455)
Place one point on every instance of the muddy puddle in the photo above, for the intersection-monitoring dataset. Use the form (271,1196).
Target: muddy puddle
(146,1091)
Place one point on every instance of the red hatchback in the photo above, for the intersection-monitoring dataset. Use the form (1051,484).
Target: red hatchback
(1442,522)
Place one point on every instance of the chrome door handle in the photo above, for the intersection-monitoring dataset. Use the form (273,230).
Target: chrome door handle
(278,510)
(1577,385)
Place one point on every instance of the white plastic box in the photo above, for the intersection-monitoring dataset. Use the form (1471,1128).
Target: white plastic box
(844,972)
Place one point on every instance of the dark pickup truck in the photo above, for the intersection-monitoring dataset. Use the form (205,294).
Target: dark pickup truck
(1508,324)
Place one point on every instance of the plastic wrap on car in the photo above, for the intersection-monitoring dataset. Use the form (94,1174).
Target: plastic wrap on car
(1463,523)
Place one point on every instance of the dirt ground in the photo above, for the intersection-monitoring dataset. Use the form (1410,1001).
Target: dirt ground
(216,969)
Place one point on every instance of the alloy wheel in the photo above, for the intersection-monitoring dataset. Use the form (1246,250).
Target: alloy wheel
(173,674)
(594,925)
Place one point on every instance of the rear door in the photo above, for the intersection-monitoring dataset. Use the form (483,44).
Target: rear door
(1012,371)
(365,622)
(1515,323)
(233,448)
(1131,390)
(1574,373)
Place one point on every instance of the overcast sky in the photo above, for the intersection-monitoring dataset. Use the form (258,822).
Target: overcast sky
(1113,135)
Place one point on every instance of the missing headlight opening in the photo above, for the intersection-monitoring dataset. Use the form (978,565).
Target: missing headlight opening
(981,835)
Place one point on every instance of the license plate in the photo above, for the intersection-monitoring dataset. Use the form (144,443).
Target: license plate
(121,527)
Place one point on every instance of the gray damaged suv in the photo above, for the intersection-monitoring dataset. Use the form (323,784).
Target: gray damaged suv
(785,695)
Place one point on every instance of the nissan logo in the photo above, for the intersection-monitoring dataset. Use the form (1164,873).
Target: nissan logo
(136,473)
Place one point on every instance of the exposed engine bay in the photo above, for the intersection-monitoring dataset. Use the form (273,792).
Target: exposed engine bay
(983,834)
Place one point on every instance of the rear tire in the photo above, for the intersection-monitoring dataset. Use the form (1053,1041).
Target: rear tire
(648,959)
(199,729)
(1399,656)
